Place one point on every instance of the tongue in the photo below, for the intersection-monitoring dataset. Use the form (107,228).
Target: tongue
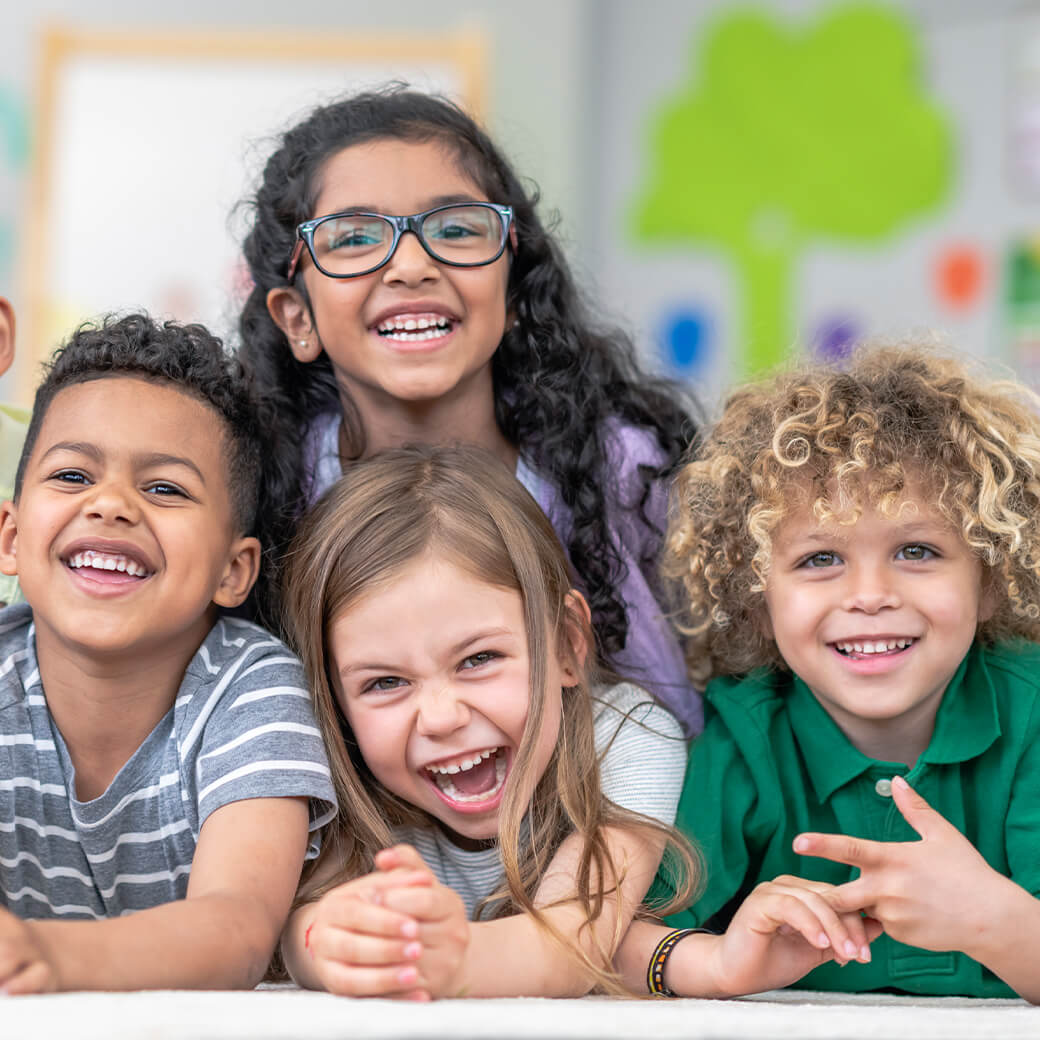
(477,780)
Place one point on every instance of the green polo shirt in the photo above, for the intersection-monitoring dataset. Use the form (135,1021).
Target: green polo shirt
(14,422)
(771,763)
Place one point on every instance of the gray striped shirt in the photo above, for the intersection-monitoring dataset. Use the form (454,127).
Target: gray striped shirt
(241,727)
(642,766)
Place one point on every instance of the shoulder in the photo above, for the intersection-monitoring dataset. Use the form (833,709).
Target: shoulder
(233,644)
(626,706)
(16,651)
(1015,662)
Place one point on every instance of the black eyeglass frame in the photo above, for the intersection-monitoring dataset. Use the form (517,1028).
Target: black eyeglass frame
(413,222)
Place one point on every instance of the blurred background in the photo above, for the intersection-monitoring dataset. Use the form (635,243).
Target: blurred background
(735,181)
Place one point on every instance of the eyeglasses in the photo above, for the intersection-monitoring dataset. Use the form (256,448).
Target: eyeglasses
(348,245)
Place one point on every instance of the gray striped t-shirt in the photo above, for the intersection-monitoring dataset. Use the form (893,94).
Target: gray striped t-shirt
(642,766)
(241,727)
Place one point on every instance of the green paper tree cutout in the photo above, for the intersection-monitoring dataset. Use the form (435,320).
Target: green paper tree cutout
(791,135)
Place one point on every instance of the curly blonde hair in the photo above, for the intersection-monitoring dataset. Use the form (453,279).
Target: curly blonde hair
(828,439)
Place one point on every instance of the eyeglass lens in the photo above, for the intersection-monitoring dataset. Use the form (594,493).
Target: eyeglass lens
(358,242)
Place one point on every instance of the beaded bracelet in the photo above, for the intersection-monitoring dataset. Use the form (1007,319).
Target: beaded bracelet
(659,958)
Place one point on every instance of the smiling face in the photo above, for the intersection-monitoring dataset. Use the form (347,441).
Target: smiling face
(415,331)
(876,617)
(433,675)
(122,536)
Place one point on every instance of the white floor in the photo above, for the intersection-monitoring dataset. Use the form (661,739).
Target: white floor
(289,1013)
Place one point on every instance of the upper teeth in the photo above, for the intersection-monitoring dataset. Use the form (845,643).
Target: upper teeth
(423,328)
(877,647)
(107,562)
(463,764)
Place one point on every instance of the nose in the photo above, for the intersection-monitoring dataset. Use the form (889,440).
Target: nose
(112,502)
(410,264)
(871,588)
(440,711)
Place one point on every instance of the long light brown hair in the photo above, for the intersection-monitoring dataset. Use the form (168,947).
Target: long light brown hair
(463,504)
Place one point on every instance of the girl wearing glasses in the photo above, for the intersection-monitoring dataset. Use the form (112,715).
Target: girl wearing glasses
(405,291)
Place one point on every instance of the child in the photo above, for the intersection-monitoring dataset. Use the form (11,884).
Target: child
(861,555)
(142,736)
(460,323)
(432,605)
(13,423)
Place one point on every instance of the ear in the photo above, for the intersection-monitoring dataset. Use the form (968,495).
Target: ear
(8,538)
(6,335)
(988,598)
(578,627)
(240,573)
(289,311)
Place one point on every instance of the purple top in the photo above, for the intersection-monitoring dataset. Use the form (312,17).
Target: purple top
(651,656)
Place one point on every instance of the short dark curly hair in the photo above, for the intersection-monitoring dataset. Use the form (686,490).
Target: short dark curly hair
(186,357)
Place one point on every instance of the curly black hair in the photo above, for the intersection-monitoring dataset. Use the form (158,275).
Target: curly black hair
(186,357)
(560,377)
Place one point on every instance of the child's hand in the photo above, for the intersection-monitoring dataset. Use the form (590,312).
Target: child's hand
(359,946)
(443,928)
(783,930)
(937,893)
(24,966)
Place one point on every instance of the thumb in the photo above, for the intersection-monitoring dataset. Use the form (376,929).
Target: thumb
(916,811)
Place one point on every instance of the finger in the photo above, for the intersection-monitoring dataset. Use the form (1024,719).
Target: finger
(856,852)
(368,918)
(853,896)
(917,812)
(349,981)
(400,856)
(424,904)
(35,977)
(359,950)
(814,917)
(371,887)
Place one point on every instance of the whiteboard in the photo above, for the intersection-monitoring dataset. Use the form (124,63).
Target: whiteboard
(145,143)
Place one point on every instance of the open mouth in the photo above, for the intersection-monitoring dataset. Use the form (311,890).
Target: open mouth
(107,565)
(865,649)
(472,780)
(416,328)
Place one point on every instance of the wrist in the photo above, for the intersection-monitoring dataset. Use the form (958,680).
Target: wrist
(673,967)
(1004,910)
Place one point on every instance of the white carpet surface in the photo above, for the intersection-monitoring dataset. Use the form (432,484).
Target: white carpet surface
(277,1013)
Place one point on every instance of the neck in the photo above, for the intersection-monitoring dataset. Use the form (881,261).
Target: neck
(466,415)
(106,705)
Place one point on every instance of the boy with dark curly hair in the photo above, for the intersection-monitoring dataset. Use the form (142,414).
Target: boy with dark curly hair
(860,553)
(160,767)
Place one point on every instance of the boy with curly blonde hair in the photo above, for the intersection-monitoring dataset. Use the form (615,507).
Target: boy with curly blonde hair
(860,555)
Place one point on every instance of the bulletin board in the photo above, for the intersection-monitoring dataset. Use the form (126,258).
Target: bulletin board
(146,143)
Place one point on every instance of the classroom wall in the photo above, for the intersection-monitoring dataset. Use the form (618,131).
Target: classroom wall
(581,93)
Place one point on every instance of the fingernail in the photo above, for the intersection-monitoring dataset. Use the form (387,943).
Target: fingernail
(406,976)
(850,948)
(801,844)
(898,781)
(864,954)
(822,941)
(413,951)
(410,929)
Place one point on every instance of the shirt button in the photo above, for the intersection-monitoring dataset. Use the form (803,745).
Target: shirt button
(884,788)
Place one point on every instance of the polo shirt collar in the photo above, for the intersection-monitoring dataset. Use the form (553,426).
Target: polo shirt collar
(965,726)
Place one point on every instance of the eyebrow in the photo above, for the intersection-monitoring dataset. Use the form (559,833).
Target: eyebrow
(433,203)
(453,651)
(141,461)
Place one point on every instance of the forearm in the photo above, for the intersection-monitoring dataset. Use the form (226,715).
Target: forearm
(517,957)
(689,969)
(1008,940)
(215,941)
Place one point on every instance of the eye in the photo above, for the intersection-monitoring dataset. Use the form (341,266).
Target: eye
(166,489)
(383,684)
(70,476)
(916,553)
(821,559)
(481,658)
